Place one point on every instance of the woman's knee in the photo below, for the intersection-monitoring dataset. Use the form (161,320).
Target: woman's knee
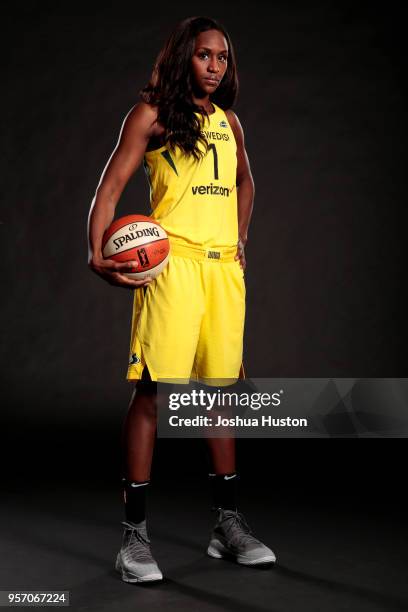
(144,399)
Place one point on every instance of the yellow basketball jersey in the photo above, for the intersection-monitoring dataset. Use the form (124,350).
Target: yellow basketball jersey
(196,201)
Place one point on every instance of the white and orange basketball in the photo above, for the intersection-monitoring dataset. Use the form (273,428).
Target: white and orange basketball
(138,238)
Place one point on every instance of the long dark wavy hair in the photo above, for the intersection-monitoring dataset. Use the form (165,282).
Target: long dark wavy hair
(170,87)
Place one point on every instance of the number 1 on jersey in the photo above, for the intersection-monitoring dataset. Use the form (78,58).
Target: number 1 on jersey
(214,150)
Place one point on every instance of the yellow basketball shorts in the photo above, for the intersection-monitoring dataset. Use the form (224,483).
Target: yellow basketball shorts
(189,322)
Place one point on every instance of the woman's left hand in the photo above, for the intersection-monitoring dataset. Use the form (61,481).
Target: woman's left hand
(241,253)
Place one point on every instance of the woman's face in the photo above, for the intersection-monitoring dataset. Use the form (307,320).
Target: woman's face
(209,61)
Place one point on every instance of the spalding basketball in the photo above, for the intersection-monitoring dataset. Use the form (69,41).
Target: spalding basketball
(138,238)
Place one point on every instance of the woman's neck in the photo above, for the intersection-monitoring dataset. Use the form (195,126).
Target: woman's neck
(205,102)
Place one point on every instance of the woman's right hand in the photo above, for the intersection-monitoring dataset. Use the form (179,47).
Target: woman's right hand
(114,272)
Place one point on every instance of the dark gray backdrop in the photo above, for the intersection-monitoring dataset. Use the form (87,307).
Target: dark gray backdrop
(322,103)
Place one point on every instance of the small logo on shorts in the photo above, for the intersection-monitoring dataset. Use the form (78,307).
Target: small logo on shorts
(134,359)
(223,123)
(214,255)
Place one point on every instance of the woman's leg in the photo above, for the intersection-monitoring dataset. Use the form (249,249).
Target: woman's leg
(222,455)
(139,432)
(222,472)
(138,438)
(134,560)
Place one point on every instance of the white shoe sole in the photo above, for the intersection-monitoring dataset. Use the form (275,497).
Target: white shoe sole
(217,550)
(129,577)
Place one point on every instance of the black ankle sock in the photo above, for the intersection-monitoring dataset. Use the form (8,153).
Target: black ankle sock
(135,499)
(224,490)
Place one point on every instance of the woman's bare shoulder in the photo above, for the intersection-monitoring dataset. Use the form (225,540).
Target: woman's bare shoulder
(235,124)
(143,116)
(232,117)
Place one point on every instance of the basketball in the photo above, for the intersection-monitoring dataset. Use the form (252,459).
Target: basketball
(139,238)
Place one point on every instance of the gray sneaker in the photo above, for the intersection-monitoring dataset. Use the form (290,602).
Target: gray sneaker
(232,537)
(134,560)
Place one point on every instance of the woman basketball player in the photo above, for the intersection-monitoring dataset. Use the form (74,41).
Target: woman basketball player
(201,188)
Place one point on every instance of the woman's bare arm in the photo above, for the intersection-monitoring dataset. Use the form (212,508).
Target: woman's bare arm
(138,127)
(245,187)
